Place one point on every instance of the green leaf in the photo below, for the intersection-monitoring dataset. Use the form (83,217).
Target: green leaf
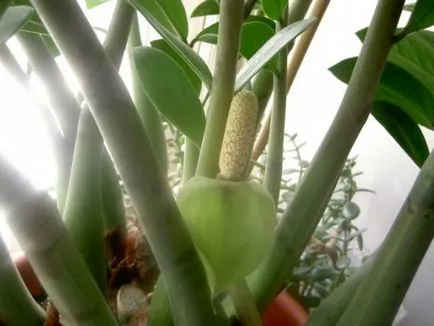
(274,8)
(33,26)
(12,20)
(186,53)
(94,3)
(422,16)
(208,34)
(170,92)
(169,13)
(403,129)
(397,87)
(254,34)
(206,8)
(4,4)
(269,50)
(194,80)
(415,54)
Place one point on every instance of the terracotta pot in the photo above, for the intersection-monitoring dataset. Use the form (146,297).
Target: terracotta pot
(28,275)
(285,311)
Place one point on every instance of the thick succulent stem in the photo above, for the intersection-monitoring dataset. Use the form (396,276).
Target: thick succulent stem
(302,215)
(83,213)
(244,304)
(273,170)
(150,117)
(132,151)
(87,191)
(17,306)
(38,227)
(231,19)
(381,293)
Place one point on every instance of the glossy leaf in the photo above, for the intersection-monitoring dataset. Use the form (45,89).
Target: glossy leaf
(208,34)
(185,52)
(415,54)
(169,90)
(397,87)
(274,8)
(169,13)
(422,16)
(12,20)
(254,35)
(403,129)
(206,8)
(269,50)
(94,3)
(162,45)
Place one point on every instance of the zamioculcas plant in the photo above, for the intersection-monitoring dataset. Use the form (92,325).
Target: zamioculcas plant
(118,245)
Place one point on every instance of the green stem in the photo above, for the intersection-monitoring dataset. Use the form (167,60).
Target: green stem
(62,101)
(132,151)
(38,227)
(117,35)
(303,214)
(273,170)
(244,304)
(231,19)
(191,155)
(17,306)
(381,293)
(83,213)
(149,116)
(111,193)
(111,196)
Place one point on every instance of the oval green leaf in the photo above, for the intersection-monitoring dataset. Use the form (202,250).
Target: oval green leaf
(206,8)
(403,129)
(269,50)
(162,45)
(415,54)
(185,52)
(399,88)
(254,34)
(169,13)
(12,20)
(422,16)
(169,90)
(274,8)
